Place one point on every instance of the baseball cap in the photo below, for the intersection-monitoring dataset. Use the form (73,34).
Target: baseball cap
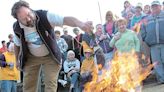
(88,50)
(156,2)
(139,5)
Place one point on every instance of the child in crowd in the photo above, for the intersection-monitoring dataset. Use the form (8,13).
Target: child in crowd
(63,46)
(8,71)
(89,69)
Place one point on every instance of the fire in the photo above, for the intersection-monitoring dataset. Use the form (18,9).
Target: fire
(124,74)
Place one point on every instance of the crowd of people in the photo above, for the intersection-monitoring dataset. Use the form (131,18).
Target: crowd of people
(35,44)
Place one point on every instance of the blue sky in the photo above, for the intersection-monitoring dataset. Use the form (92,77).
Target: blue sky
(82,9)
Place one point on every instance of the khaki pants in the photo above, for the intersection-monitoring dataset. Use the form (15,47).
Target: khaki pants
(31,71)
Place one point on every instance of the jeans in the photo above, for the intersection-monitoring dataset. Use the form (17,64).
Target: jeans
(74,78)
(157,55)
(75,82)
(8,86)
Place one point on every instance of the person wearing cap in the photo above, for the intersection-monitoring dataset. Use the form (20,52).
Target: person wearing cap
(137,16)
(8,71)
(88,69)
(89,42)
(153,34)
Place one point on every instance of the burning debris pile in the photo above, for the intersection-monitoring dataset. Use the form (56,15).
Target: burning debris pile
(124,74)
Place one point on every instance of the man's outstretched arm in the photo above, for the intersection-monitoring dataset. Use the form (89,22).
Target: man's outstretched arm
(73,22)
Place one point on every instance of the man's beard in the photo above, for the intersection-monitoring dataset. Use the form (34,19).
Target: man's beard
(30,23)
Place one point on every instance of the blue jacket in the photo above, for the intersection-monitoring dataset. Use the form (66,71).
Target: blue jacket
(153,31)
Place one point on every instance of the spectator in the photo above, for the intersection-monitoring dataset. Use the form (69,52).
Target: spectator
(137,16)
(11,37)
(153,34)
(35,44)
(129,19)
(147,9)
(4,47)
(125,40)
(8,71)
(72,69)
(127,7)
(103,41)
(78,44)
(109,26)
(68,38)
(61,44)
(89,42)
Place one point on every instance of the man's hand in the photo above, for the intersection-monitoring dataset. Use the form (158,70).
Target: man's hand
(18,65)
(87,27)
(73,22)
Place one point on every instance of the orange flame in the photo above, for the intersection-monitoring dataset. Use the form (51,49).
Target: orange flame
(124,75)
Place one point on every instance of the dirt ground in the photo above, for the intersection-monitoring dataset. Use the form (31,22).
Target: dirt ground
(153,88)
(150,85)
